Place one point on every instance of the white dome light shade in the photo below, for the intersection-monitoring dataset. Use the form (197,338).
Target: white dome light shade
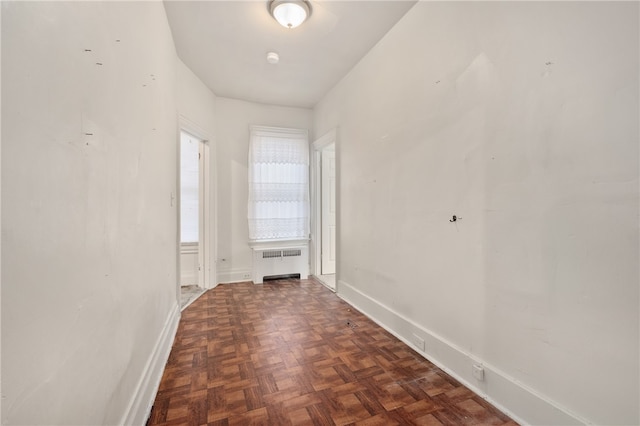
(289,13)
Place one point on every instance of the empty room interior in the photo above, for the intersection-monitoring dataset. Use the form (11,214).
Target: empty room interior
(467,198)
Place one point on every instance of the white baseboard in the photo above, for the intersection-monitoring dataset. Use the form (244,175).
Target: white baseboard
(523,405)
(142,401)
(234,276)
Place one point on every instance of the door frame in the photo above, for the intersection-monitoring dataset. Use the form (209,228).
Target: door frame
(207,249)
(331,137)
(328,242)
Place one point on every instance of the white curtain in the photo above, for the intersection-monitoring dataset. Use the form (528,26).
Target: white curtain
(278,184)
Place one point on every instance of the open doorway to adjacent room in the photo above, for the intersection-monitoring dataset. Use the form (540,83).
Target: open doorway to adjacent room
(324,207)
(192,248)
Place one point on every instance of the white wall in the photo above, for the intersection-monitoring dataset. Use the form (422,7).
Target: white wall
(522,119)
(88,230)
(189,264)
(0,223)
(233,119)
(196,102)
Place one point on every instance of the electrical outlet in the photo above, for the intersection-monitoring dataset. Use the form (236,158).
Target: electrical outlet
(478,372)
(418,342)
(246,275)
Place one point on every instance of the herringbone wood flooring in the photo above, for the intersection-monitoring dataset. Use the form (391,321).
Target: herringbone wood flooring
(291,352)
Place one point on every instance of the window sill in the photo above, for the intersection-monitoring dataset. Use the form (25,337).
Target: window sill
(280,244)
(189,248)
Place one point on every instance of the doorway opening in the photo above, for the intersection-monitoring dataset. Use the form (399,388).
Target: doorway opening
(325,207)
(193,247)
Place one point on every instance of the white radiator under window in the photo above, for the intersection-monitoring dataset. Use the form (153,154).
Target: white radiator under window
(271,259)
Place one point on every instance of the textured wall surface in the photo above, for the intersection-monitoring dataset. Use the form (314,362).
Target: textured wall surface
(521,118)
(89,233)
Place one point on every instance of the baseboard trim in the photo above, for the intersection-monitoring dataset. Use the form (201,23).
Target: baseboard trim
(234,276)
(522,404)
(142,401)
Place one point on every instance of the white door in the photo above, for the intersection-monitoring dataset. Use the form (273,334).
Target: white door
(328,164)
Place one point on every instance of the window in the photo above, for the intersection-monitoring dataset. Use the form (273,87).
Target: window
(278,184)
(189,188)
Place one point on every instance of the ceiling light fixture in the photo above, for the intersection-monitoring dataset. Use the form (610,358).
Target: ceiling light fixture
(290,13)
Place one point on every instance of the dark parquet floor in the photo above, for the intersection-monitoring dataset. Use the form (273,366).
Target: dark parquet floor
(291,352)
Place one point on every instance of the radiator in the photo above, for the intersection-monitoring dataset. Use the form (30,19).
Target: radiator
(275,261)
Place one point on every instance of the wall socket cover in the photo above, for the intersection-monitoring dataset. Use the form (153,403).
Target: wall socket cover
(478,372)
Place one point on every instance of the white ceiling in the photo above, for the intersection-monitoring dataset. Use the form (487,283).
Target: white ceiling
(225,43)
